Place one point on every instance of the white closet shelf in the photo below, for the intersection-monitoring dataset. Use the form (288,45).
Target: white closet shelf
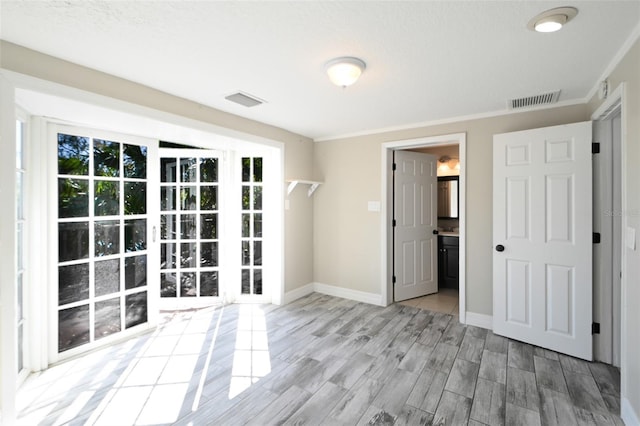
(313,185)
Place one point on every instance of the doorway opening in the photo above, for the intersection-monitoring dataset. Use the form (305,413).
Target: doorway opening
(609,220)
(387,216)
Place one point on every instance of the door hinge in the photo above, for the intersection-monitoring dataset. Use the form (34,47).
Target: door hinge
(393,223)
(595,148)
(394,279)
(596,238)
(393,166)
(595,328)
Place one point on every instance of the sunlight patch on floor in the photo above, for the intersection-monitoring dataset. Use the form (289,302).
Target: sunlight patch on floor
(142,381)
(251,360)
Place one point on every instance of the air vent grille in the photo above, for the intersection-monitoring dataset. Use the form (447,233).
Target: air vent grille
(244,99)
(536,100)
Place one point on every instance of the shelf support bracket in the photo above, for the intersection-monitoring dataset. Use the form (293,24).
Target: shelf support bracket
(292,186)
(312,188)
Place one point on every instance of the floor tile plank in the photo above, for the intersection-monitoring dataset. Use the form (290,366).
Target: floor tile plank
(316,408)
(462,378)
(489,403)
(516,415)
(355,402)
(520,356)
(428,390)
(549,374)
(584,392)
(522,389)
(453,409)
(556,408)
(493,366)
(411,416)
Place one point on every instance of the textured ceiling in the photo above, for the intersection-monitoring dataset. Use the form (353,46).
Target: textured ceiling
(426,60)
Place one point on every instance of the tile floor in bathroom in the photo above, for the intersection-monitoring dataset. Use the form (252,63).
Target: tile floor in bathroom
(445,301)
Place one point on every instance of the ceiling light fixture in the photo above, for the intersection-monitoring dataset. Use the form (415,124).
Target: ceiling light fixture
(344,71)
(552,20)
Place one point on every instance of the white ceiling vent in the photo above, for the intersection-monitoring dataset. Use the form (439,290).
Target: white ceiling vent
(536,100)
(244,99)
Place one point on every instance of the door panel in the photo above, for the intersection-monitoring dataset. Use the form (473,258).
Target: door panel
(190,204)
(415,211)
(518,292)
(103,237)
(542,197)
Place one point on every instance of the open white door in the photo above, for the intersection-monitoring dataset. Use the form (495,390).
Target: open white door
(542,234)
(415,259)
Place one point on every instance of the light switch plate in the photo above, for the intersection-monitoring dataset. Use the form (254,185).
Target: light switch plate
(373,206)
(631,238)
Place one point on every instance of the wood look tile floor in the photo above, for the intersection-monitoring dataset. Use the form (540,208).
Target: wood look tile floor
(321,360)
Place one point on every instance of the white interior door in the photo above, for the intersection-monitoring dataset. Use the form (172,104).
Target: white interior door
(542,234)
(415,214)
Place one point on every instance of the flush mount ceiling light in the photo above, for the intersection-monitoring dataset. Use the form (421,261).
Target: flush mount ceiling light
(552,20)
(344,71)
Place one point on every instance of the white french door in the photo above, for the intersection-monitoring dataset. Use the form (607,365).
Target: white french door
(542,234)
(191,204)
(211,228)
(415,231)
(101,237)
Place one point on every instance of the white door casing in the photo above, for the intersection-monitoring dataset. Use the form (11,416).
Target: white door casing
(542,217)
(415,213)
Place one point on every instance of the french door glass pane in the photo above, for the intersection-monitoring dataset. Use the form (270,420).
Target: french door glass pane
(20,296)
(73,327)
(107,198)
(107,278)
(189,201)
(168,285)
(208,170)
(73,241)
(73,155)
(73,283)
(209,283)
(107,237)
(135,271)
(102,269)
(135,161)
(74,198)
(209,226)
(106,158)
(135,235)
(20,347)
(167,198)
(135,198)
(108,315)
(20,175)
(136,309)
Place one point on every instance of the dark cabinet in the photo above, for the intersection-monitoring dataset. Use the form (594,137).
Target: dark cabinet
(448,261)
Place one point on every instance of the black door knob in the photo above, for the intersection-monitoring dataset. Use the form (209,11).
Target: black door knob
(435,232)
(499,247)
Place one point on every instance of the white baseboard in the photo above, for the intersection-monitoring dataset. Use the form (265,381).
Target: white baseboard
(345,293)
(297,293)
(480,320)
(628,414)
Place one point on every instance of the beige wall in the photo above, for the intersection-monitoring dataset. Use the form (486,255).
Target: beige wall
(347,236)
(628,71)
(298,149)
